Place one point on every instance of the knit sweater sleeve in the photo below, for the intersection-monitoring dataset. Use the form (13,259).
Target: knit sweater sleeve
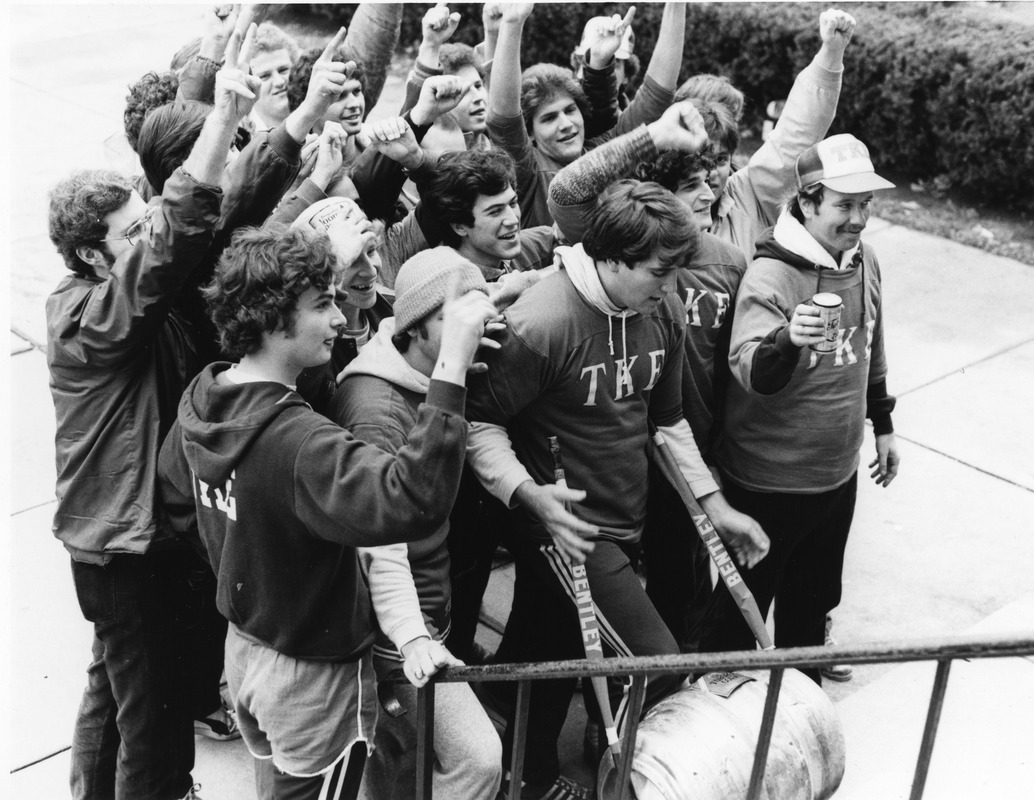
(573,192)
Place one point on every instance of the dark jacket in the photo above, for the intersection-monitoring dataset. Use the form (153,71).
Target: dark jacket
(119,359)
(122,350)
(283,496)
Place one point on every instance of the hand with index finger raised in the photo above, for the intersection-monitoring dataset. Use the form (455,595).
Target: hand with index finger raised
(332,46)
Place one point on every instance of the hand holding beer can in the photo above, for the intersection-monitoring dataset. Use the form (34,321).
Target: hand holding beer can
(829,306)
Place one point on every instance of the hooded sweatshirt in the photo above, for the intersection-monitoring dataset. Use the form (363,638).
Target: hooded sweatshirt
(575,366)
(378,403)
(283,496)
(795,418)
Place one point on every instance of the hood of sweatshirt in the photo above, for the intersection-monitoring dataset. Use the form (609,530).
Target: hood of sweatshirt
(381,359)
(790,241)
(581,268)
(219,422)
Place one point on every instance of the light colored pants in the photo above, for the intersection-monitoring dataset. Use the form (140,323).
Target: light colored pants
(468,754)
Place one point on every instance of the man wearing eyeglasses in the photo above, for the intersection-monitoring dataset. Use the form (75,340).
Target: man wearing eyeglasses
(119,357)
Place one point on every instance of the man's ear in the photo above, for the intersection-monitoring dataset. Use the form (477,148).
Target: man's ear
(614,265)
(93,256)
(807,208)
(461,230)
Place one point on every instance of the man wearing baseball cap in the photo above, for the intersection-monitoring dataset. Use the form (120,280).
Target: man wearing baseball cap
(795,417)
(409,583)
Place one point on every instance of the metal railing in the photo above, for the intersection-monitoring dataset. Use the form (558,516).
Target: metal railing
(942,650)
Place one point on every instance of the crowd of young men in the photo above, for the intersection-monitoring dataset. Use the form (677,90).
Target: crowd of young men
(300,405)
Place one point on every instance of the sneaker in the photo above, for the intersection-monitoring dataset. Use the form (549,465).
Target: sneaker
(561,789)
(220,725)
(834,672)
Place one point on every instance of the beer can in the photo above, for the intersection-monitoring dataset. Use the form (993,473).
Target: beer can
(829,306)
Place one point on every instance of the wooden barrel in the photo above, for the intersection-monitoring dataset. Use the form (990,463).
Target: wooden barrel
(697,745)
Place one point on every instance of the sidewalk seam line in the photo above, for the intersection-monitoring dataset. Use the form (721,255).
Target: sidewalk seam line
(33,508)
(41,759)
(966,463)
(964,367)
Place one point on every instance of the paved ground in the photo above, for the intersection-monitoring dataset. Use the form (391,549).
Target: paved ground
(948,547)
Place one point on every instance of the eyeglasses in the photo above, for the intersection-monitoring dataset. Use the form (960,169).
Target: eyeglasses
(137,230)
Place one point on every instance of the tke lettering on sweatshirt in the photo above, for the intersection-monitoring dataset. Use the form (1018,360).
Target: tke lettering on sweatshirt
(693,298)
(224,500)
(844,353)
(624,384)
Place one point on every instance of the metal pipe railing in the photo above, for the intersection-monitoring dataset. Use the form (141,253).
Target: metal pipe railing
(943,650)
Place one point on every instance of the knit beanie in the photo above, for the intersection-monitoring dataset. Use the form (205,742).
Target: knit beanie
(423,281)
(322,213)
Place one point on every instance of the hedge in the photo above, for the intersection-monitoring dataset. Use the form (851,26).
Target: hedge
(939,92)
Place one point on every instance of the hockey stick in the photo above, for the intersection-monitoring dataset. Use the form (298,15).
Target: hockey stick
(587,621)
(726,566)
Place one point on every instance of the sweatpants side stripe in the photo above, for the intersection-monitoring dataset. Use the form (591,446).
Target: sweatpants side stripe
(563,572)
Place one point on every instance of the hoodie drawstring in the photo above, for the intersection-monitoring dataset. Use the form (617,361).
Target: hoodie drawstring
(610,333)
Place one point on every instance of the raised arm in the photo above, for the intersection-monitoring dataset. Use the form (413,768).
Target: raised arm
(504,96)
(808,113)
(373,35)
(125,312)
(437,26)
(667,52)
(598,77)
(573,192)
(197,79)
(394,147)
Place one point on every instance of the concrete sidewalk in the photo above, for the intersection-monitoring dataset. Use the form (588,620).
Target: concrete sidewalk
(946,548)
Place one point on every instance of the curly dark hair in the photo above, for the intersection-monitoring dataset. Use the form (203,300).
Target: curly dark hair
(633,220)
(167,137)
(301,72)
(673,168)
(152,90)
(78,206)
(450,192)
(542,82)
(259,279)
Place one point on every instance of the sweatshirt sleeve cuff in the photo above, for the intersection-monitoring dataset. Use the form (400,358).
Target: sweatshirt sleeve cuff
(447,396)
(658,92)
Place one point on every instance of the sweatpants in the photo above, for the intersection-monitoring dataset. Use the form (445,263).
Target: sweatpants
(468,755)
(802,570)
(544,626)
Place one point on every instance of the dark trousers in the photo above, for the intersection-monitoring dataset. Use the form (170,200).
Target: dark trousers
(133,734)
(544,626)
(678,567)
(802,570)
(206,634)
(478,524)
